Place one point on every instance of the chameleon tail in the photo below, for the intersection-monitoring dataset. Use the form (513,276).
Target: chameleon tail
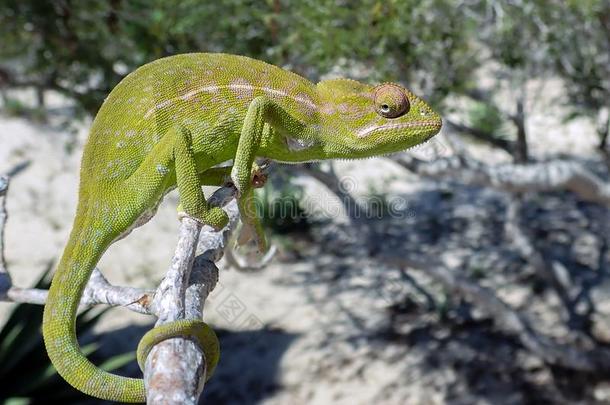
(88,241)
(86,244)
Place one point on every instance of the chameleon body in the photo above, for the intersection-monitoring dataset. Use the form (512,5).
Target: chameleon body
(169,124)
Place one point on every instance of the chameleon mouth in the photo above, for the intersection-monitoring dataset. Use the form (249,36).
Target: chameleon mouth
(432,125)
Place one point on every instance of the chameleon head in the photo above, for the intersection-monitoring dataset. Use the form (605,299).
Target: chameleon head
(358,120)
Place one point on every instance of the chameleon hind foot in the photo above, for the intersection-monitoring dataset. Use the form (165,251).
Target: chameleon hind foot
(247,233)
(252,229)
(194,329)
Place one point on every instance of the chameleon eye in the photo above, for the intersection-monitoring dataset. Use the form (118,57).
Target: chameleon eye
(390,100)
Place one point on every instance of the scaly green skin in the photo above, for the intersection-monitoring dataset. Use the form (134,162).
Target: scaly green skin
(166,125)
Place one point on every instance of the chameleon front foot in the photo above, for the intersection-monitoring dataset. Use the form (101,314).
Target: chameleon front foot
(213,216)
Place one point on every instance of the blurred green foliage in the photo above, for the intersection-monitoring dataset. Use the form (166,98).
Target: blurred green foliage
(538,38)
(280,208)
(487,118)
(83,48)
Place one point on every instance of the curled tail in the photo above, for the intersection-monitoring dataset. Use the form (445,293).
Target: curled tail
(88,241)
(86,245)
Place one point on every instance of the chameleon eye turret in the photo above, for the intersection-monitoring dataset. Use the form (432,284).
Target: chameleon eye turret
(390,100)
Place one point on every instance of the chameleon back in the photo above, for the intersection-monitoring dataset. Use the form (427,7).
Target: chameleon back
(197,91)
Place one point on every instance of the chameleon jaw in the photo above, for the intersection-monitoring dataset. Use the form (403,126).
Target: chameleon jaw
(430,124)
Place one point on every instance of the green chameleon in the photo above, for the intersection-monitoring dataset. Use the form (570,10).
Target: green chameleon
(169,124)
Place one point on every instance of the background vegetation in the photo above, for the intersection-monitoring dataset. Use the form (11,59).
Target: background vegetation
(83,49)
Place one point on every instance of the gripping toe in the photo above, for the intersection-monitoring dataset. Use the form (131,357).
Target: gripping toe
(188,328)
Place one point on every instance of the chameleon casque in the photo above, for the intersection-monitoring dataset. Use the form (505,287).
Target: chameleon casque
(170,124)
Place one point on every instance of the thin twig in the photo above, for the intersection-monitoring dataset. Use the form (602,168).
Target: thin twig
(98,291)
(5,278)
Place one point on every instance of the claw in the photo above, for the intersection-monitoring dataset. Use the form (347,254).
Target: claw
(259,173)
(259,179)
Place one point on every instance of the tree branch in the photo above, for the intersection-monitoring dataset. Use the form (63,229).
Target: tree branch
(480,135)
(175,368)
(515,178)
(552,272)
